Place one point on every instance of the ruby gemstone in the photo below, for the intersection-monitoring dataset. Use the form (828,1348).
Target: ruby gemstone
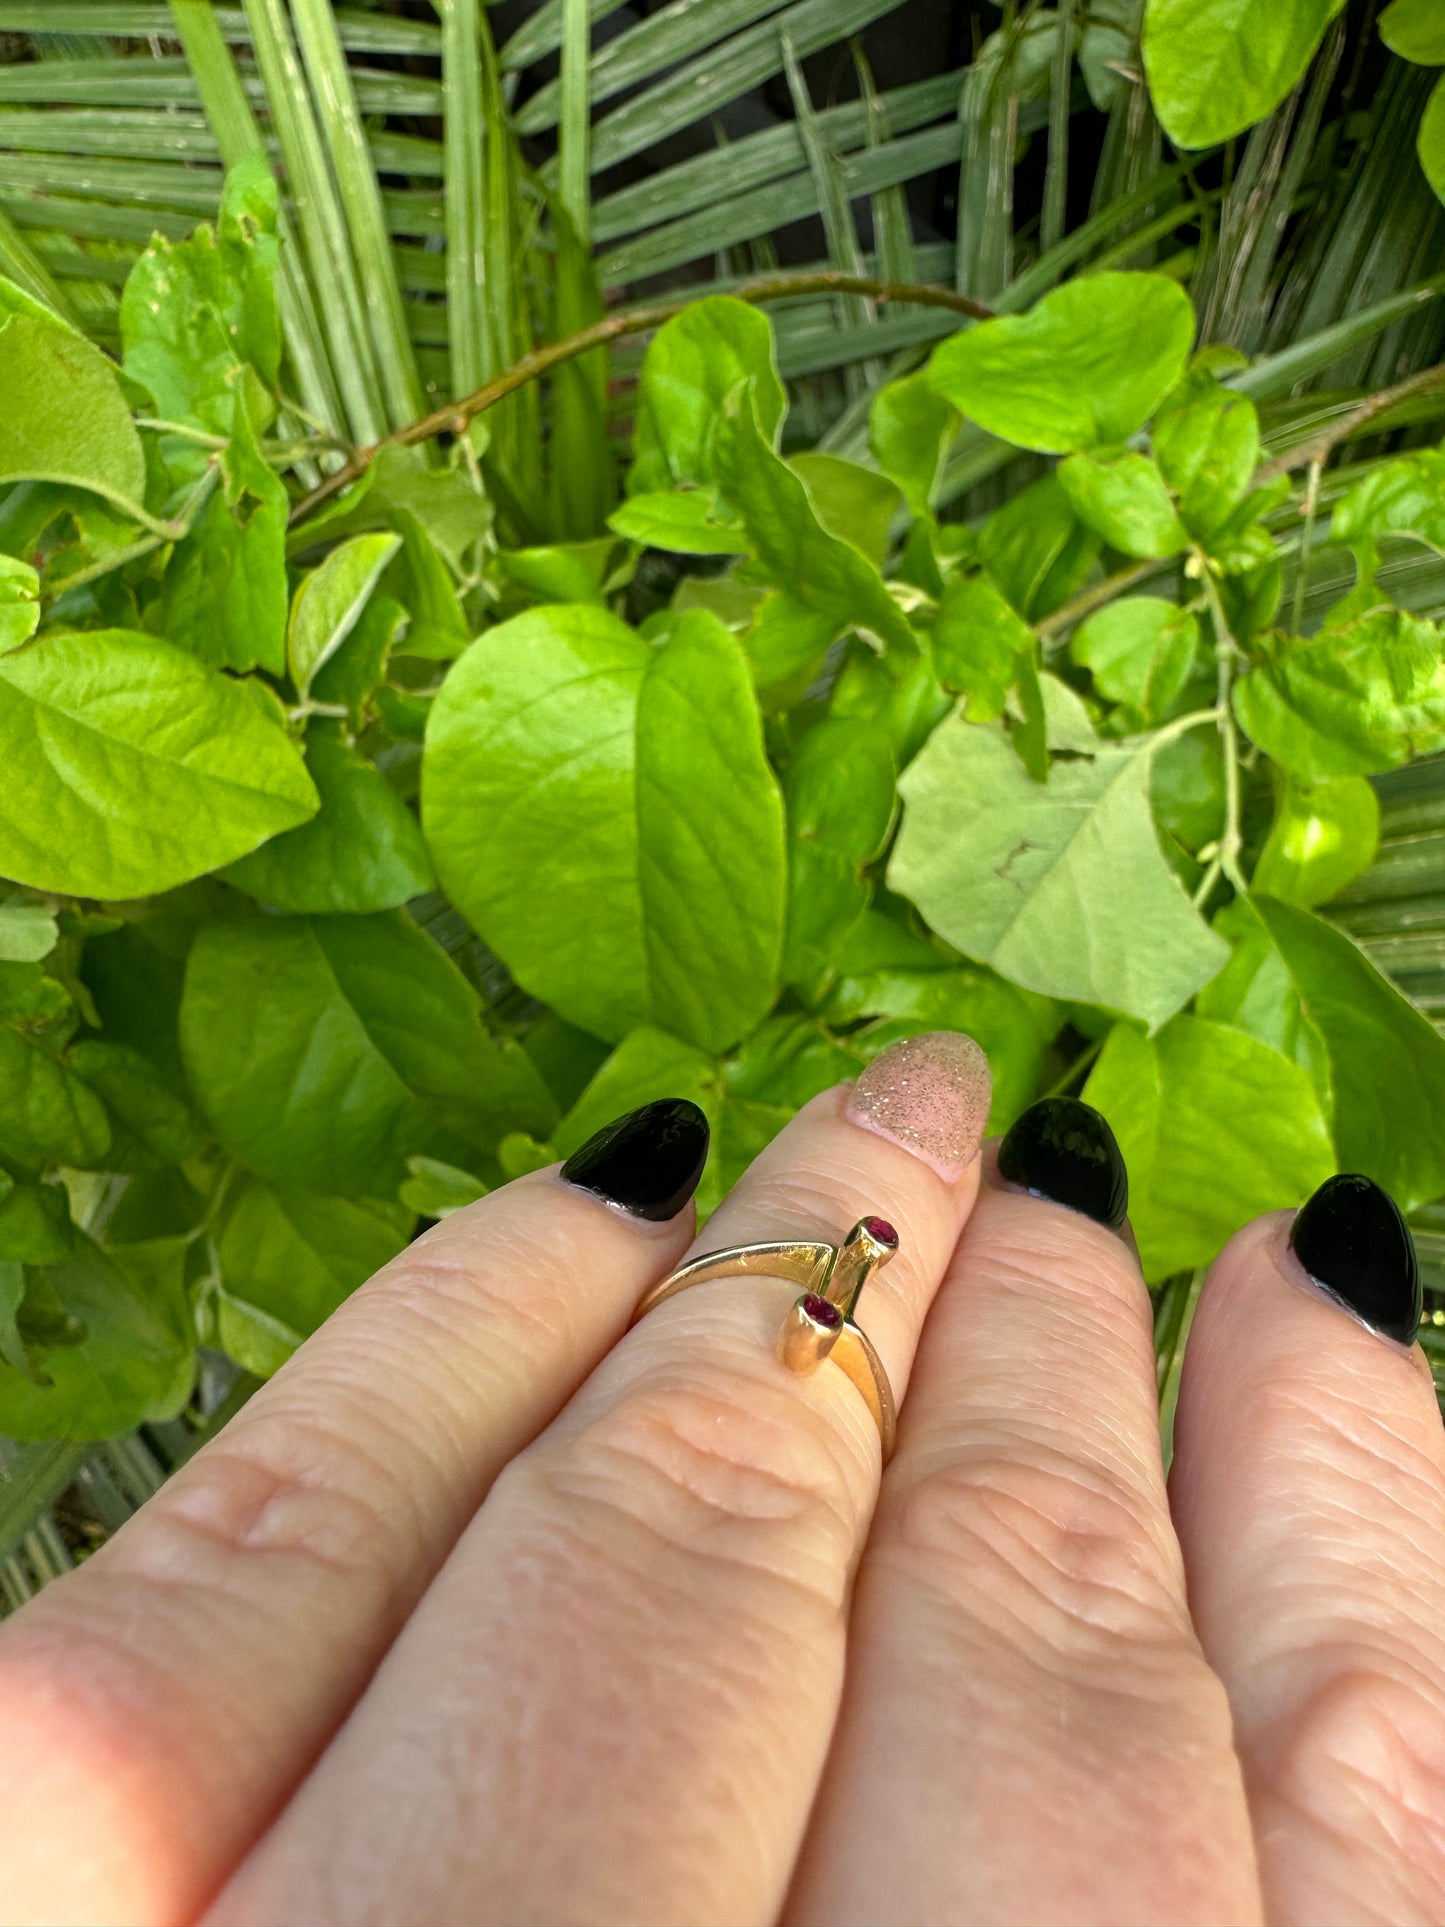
(881,1232)
(822,1312)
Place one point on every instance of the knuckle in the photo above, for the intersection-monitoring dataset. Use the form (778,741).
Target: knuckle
(1364,1757)
(729,1472)
(1069,1551)
(290,1488)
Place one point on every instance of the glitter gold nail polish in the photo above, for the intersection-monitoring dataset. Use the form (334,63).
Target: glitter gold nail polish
(931,1095)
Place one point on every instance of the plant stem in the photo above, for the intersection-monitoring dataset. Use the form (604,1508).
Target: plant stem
(1231,842)
(453,418)
(1080,1063)
(1312,496)
(1094,597)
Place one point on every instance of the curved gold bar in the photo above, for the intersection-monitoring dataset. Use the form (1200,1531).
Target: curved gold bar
(834,1274)
(804,1264)
(854,1352)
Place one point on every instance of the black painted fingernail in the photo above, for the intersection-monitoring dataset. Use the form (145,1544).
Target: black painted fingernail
(1351,1238)
(1063,1150)
(648,1162)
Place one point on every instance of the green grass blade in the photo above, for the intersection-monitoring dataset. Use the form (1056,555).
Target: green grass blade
(701,86)
(674,33)
(151,20)
(892,226)
(722,173)
(19,260)
(1276,374)
(575,87)
(758,212)
(468,334)
(370,243)
(1056,173)
(318,214)
(30,1477)
(541,33)
(831,191)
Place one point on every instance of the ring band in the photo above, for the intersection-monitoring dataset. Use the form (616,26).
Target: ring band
(819,1325)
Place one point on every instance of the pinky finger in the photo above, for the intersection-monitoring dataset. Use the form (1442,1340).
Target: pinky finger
(1308,1491)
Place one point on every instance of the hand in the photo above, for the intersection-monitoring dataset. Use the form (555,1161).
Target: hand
(488,1609)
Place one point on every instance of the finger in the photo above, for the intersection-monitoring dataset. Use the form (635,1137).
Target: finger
(159,1703)
(625,1676)
(1029,1731)
(1308,1487)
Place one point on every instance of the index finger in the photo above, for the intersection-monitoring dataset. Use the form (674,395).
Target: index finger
(255,1594)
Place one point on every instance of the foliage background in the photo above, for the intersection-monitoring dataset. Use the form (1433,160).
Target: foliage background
(649,838)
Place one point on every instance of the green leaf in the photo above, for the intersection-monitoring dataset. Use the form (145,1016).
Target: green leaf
(13,1349)
(436,1190)
(1255,993)
(35,1227)
(1141,652)
(786,1062)
(288,1259)
(884,971)
(1083,369)
(840,807)
(19,603)
(587,795)
(1360,698)
(1301,984)
(130,766)
(1323,836)
(198,313)
(910,430)
(134,1361)
(1415,29)
(684,521)
(351,675)
(65,418)
(326,1051)
(1215,1128)
(825,584)
(152,1121)
(851,501)
(647,1064)
(362,851)
(1401,497)
(329,601)
(224,596)
(48,1115)
(1206,442)
(28,932)
(1122,496)
(1430,141)
(443,500)
(439,628)
(1217,66)
(1036,548)
(977,642)
(1059,886)
(692,364)
(576,571)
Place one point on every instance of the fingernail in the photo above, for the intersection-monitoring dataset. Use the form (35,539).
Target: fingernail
(1063,1150)
(647,1162)
(1352,1240)
(931,1095)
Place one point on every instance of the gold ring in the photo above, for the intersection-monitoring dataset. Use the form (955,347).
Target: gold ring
(820,1323)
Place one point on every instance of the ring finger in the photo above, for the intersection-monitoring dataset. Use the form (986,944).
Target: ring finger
(632,1660)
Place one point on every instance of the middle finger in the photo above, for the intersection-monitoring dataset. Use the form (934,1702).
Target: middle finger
(1030,1726)
(626,1675)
